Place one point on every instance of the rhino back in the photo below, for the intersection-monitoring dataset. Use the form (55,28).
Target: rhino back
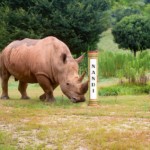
(23,59)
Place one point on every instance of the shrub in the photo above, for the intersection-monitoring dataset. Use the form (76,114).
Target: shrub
(111,91)
(124,65)
(124,89)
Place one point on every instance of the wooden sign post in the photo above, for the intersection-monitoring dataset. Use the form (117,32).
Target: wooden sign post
(93,74)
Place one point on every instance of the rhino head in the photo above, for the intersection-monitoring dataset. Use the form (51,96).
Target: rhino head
(71,84)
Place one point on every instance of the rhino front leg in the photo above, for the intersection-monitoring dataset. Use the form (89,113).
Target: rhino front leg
(22,89)
(4,84)
(46,86)
(42,97)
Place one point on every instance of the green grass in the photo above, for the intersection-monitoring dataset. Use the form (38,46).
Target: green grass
(124,89)
(6,141)
(120,122)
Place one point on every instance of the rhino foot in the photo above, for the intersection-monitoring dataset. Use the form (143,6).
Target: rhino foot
(51,100)
(47,98)
(4,97)
(42,97)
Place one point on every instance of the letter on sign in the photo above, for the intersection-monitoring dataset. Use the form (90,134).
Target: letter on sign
(93,79)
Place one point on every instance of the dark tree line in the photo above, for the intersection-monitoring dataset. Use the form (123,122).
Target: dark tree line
(76,22)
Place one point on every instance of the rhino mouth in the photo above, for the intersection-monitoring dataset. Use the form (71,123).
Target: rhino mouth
(74,100)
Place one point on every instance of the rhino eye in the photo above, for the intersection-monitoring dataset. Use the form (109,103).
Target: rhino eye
(67,83)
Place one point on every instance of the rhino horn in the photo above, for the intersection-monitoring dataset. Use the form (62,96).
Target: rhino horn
(79,59)
(81,77)
(84,87)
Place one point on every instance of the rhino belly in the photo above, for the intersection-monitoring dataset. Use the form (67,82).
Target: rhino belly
(28,78)
(22,73)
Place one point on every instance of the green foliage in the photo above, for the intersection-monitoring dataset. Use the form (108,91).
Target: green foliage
(120,13)
(3,24)
(124,89)
(77,23)
(125,65)
(136,69)
(110,62)
(147,1)
(128,3)
(83,66)
(109,91)
(133,32)
(122,8)
(147,10)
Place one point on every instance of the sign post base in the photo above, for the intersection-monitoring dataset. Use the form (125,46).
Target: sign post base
(93,103)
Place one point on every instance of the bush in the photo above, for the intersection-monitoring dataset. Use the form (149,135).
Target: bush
(124,65)
(125,89)
(111,91)
(110,62)
(147,1)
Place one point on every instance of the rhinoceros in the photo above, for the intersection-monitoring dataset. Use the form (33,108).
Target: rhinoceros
(46,61)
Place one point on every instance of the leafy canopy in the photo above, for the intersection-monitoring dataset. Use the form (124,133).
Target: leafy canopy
(120,13)
(133,32)
(76,22)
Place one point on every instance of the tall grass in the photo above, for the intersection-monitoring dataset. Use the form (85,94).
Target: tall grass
(124,65)
(121,64)
(110,62)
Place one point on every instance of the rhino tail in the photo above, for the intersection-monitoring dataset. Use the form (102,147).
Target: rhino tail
(0,65)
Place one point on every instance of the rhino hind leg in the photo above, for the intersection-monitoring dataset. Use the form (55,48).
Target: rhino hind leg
(22,89)
(46,86)
(4,97)
(4,84)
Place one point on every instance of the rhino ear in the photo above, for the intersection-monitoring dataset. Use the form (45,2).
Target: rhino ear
(63,58)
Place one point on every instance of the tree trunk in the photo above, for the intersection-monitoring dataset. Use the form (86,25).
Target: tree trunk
(134,51)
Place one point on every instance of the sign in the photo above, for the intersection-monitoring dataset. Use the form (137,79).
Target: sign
(93,79)
(93,74)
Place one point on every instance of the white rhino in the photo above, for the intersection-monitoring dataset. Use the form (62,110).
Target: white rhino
(45,61)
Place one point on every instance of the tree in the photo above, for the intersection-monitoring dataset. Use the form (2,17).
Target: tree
(133,33)
(120,13)
(76,22)
(147,1)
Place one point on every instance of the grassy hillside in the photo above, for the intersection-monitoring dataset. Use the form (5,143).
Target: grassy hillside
(106,42)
